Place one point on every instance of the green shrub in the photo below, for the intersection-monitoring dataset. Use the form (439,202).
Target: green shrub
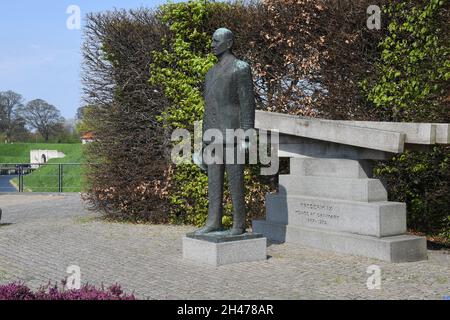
(422,180)
(413,72)
(411,83)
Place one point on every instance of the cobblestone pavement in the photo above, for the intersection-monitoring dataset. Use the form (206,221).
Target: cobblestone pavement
(42,235)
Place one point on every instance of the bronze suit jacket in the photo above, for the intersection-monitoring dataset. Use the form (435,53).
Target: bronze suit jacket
(229,97)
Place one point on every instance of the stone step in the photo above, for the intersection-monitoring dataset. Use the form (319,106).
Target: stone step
(337,168)
(378,219)
(400,248)
(364,190)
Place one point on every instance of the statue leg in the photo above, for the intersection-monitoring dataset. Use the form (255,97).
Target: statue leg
(235,174)
(215,197)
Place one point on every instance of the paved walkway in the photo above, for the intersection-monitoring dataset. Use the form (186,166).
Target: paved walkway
(42,235)
(5,185)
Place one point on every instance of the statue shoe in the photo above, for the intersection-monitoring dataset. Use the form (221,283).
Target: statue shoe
(208,229)
(236,231)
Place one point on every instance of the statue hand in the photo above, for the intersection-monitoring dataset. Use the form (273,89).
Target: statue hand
(197,159)
(245,145)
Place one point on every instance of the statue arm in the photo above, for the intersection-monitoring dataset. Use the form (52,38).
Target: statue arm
(246,97)
(204,108)
(198,157)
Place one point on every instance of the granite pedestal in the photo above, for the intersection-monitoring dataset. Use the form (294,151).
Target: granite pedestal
(333,204)
(222,250)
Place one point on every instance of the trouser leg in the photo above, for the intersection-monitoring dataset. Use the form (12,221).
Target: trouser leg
(235,173)
(215,195)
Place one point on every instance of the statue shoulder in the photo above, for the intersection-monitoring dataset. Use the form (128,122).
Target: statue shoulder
(242,66)
(208,74)
(242,70)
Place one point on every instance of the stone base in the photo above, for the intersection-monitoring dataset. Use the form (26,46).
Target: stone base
(222,253)
(378,219)
(400,248)
(218,236)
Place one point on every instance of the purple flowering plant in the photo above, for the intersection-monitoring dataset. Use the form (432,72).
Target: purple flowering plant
(19,291)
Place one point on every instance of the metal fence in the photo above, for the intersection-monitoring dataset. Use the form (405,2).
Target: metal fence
(35,177)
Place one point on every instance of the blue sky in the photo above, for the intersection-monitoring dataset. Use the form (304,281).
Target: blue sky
(39,56)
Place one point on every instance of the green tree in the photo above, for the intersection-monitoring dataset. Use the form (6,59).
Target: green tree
(84,121)
(11,122)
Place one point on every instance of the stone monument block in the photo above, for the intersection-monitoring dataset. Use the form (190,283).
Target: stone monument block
(378,219)
(334,188)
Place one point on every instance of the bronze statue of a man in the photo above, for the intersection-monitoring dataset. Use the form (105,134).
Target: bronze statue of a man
(229,104)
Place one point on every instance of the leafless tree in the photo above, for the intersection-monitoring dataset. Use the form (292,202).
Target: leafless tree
(42,116)
(127,160)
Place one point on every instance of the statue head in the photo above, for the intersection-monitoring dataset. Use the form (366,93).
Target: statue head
(222,41)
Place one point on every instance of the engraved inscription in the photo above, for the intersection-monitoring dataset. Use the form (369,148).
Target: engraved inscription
(318,214)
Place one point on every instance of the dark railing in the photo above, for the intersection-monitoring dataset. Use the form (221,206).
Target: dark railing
(35,177)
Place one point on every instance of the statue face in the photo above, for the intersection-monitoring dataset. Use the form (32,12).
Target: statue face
(221,43)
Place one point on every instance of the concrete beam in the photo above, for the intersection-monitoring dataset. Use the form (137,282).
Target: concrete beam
(331,131)
(442,133)
(416,133)
(299,147)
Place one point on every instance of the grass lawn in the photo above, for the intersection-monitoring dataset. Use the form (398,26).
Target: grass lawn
(45,179)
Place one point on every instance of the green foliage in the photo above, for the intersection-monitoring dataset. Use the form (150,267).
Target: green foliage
(414,67)
(422,180)
(182,66)
(86,123)
(411,84)
(189,197)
